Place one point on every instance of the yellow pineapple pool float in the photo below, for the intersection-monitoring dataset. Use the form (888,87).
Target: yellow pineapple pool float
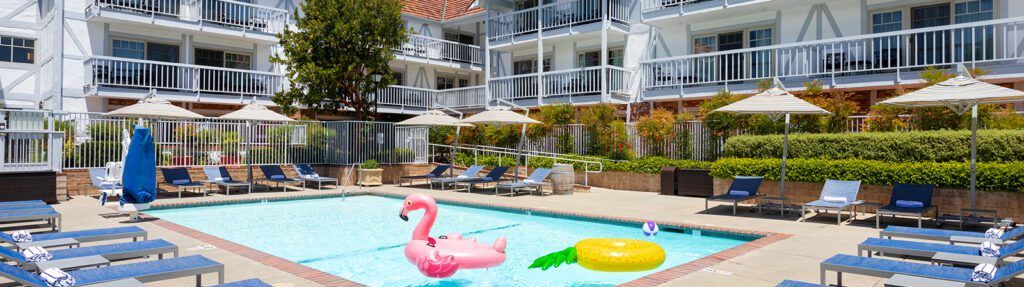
(607,254)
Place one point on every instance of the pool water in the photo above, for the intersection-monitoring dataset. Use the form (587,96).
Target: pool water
(363,239)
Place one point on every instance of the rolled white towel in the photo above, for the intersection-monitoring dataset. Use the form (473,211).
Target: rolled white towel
(994,233)
(984,273)
(909,203)
(739,192)
(839,199)
(988,249)
(22,236)
(36,254)
(56,278)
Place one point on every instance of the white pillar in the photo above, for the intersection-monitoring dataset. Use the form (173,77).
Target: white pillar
(486,47)
(605,93)
(540,54)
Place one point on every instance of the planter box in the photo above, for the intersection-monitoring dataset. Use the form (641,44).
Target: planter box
(371,177)
(694,182)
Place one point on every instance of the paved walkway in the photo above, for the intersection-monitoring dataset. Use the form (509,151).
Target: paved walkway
(794,257)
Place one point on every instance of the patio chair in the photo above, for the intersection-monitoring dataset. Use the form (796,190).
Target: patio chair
(493,176)
(180,179)
(885,268)
(535,181)
(307,173)
(936,252)
(436,173)
(742,188)
(219,176)
(132,274)
(246,283)
(22,202)
(100,180)
(469,173)
(792,283)
(950,236)
(48,214)
(71,238)
(274,174)
(914,200)
(837,195)
(91,256)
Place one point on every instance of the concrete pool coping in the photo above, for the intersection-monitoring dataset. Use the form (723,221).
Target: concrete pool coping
(327,279)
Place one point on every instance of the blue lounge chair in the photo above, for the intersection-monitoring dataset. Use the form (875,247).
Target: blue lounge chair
(219,175)
(13,207)
(936,252)
(535,181)
(146,271)
(791,283)
(885,268)
(739,186)
(836,195)
(180,179)
(436,173)
(78,236)
(22,202)
(109,252)
(902,192)
(469,173)
(274,174)
(245,283)
(494,176)
(307,173)
(949,236)
(47,213)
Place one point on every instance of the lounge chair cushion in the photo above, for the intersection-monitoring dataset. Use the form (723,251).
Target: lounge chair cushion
(826,204)
(78,233)
(109,249)
(902,267)
(1009,235)
(909,203)
(739,192)
(144,268)
(908,210)
(920,245)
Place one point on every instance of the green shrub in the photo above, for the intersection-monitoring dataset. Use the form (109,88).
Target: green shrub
(991,176)
(370,164)
(923,146)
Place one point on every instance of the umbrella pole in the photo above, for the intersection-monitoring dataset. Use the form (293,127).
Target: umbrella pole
(248,155)
(974,155)
(785,153)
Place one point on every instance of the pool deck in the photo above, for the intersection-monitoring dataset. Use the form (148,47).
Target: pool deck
(792,251)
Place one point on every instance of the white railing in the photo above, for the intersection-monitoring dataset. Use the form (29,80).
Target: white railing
(30,151)
(426,98)
(995,42)
(557,15)
(560,83)
(131,73)
(589,165)
(654,5)
(438,49)
(150,7)
(243,15)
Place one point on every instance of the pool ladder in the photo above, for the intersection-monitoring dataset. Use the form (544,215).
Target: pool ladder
(348,177)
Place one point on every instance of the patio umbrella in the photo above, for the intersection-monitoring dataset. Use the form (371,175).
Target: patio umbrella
(253,113)
(154,108)
(960,94)
(436,118)
(499,116)
(775,103)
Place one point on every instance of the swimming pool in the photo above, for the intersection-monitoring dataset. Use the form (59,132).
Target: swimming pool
(362,239)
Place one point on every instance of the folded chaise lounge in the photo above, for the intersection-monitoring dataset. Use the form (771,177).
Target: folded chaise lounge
(218,175)
(885,268)
(69,238)
(469,173)
(535,182)
(181,180)
(742,188)
(436,173)
(75,258)
(936,252)
(307,173)
(274,174)
(950,236)
(913,200)
(493,176)
(836,195)
(46,213)
(127,274)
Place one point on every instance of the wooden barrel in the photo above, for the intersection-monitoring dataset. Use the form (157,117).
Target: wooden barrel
(562,178)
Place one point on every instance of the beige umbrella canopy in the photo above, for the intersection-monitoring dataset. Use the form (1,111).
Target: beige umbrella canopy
(775,102)
(499,116)
(960,94)
(433,118)
(255,112)
(155,108)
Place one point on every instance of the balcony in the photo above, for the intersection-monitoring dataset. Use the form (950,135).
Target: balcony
(569,86)
(572,17)
(664,9)
(128,76)
(412,100)
(881,59)
(441,52)
(223,16)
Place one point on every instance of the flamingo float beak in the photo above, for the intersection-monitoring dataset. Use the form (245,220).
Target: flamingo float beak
(403,215)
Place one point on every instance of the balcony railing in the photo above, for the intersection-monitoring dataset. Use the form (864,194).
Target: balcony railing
(131,73)
(556,15)
(241,15)
(30,151)
(426,98)
(655,5)
(988,42)
(443,50)
(575,82)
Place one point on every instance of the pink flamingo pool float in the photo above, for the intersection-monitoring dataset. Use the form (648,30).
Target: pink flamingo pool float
(441,257)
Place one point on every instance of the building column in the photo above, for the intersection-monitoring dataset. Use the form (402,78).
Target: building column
(540,54)
(605,68)
(486,48)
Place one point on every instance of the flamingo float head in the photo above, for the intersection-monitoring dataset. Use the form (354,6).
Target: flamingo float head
(416,201)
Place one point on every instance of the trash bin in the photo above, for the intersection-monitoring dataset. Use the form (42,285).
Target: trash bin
(694,182)
(563,178)
(668,180)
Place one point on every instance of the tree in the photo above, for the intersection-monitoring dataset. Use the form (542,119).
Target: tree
(335,51)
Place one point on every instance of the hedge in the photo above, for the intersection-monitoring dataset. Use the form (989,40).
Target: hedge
(921,146)
(644,165)
(991,176)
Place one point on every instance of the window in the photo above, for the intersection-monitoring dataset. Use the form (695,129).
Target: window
(399,78)
(162,52)
(17,50)
(458,38)
(444,83)
(588,59)
(128,49)
(973,44)
(214,58)
(760,61)
(972,11)
(887,22)
(237,61)
(886,50)
(706,44)
(529,66)
(615,57)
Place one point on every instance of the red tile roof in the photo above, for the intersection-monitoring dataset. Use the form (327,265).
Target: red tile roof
(437,10)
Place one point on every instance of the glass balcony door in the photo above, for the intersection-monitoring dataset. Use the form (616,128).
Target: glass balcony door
(930,48)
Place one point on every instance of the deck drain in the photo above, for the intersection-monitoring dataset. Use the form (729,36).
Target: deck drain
(203,247)
(716,271)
